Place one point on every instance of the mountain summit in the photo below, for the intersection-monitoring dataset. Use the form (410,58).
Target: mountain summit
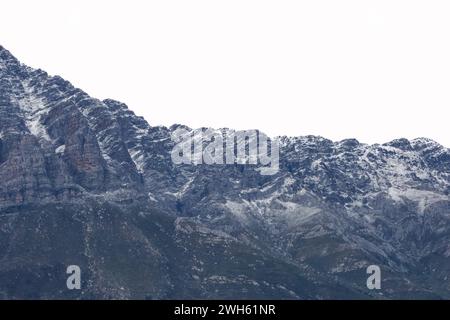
(87,182)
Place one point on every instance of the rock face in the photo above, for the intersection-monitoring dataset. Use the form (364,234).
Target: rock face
(87,182)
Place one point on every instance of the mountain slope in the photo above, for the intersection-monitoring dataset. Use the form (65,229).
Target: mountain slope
(87,182)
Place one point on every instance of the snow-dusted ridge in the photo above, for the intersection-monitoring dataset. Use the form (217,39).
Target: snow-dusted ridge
(332,209)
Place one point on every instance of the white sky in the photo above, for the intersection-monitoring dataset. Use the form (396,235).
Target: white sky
(373,70)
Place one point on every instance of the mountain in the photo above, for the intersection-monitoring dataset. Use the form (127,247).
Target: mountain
(89,183)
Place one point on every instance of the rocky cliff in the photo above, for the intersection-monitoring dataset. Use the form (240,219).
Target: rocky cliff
(88,182)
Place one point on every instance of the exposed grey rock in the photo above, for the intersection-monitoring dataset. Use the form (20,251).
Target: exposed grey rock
(87,182)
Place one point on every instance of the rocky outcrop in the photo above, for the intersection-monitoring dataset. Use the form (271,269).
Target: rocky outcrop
(74,167)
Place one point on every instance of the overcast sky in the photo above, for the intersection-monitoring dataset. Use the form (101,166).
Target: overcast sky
(373,70)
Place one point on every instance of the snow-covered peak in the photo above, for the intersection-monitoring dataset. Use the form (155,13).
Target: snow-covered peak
(425,143)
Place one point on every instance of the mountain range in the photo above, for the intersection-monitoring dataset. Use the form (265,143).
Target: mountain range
(87,182)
